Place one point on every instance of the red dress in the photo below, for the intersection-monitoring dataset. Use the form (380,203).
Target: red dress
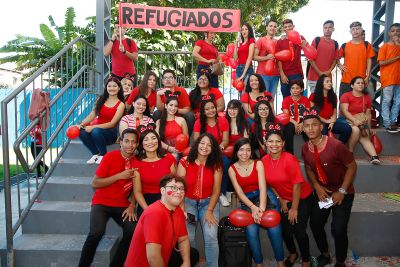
(172,129)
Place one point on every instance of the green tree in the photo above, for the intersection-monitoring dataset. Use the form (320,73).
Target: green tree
(31,52)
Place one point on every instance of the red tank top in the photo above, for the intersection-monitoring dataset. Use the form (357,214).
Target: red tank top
(172,129)
(249,183)
(106,114)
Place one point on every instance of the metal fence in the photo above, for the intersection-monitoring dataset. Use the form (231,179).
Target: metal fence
(72,80)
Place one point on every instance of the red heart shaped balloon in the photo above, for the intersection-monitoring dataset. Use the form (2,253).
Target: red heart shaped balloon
(228,151)
(270,45)
(269,67)
(282,118)
(230,48)
(284,55)
(270,218)
(233,63)
(310,52)
(240,218)
(294,37)
(240,85)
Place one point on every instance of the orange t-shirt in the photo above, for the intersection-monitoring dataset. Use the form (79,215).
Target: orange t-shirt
(390,74)
(355,60)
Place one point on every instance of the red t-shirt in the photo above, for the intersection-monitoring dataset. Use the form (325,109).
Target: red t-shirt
(217,95)
(246,98)
(327,53)
(233,138)
(172,129)
(117,193)
(356,102)
(243,51)
(195,172)
(208,51)
(36,135)
(183,98)
(121,64)
(262,51)
(291,67)
(248,183)
(334,157)
(151,99)
(327,110)
(106,114)
(303,104)
(217,130)
(283,173)
(152,172)
(156,225)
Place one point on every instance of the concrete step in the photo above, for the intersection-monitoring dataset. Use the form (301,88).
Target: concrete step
(37,250)
(64,188)
(76,150)
(75,168)
(390,144)
(62,217)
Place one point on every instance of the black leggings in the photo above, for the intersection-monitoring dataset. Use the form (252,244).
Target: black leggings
(150,199)
(298,229)
(35,150)
(340,220)
(99,216)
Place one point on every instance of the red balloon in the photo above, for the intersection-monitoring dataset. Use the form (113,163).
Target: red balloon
(270,45)
(269,67)
(233,63)
(294,37)
(181,142)
(186,151)
(228,151)
(270,218)
(240,85)
(284,55)
(310,52)
(226,61)
(234,81)
(233,75)
(282,118)
(377,143)
(73,132)
(221,114)
(241,218)
(230,49)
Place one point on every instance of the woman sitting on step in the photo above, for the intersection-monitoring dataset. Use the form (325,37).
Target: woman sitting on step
(140,115)
(99,128)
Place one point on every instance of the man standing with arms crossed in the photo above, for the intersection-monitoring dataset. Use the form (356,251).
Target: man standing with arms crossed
(330,168)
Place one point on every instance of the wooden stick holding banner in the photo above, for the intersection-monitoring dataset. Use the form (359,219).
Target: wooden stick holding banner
(120,35)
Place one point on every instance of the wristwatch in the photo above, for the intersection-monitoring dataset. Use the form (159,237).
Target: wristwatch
(342,191)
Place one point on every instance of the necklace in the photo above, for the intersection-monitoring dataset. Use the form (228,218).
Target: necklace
(243,167)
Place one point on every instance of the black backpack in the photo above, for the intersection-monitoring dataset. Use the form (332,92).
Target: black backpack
(234,250)
(317,40)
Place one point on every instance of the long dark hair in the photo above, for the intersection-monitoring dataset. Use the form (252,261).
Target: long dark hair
(195,94)
(163,118)
(319,93)
(103,98)
(251,32)
(203,117)
(261,84)
(241,142)
(214,160)
(143,87)
(142,152)
(241,121)
(257,119)
(146,111)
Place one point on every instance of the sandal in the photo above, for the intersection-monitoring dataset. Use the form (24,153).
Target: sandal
(289,263)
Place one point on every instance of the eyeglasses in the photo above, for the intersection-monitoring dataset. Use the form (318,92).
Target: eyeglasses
(175,189)
(168,78)
(263,109)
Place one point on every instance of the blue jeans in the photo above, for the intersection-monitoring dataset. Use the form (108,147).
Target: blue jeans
(210,234)
(341,128)
(98,139)
(240,69)
(389,116)
(214,78)
(274,234)
(226,162)
(285,87)
(271,83)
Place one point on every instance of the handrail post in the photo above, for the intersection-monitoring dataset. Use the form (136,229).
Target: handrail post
(7,186)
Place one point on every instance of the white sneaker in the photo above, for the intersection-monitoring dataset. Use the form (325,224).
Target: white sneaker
(93,159)
(98,160)
(229,196)
(224,201)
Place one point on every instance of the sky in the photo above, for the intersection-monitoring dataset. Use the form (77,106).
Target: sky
(308,20)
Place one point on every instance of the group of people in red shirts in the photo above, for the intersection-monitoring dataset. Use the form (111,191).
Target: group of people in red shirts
(149,178)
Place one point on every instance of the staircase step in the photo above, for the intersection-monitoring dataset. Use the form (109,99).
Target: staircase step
(37,250)
(74,168)
(64,188)
(76,150)
(62,217)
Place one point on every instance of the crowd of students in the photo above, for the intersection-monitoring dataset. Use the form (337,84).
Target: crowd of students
(262,169)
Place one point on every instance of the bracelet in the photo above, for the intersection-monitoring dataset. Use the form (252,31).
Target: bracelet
(251,205)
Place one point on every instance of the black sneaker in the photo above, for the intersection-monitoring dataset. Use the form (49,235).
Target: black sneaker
(323,260)
(393,129)
(375,160)
(340,265)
